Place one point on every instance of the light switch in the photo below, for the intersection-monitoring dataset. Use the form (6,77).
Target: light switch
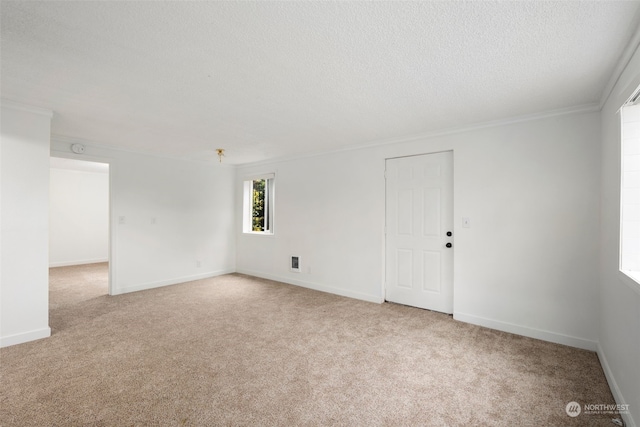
(122,220)
(466,222)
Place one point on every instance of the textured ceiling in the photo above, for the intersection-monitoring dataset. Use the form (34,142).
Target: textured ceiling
(270,79)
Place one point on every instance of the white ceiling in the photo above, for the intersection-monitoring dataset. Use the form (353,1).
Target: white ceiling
(271,79)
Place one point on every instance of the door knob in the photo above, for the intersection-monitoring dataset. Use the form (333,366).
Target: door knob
(449,233)
(448,245)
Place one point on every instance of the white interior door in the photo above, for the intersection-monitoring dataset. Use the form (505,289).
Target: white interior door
(419,231)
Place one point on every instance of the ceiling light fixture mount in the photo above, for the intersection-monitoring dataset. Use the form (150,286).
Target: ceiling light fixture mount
(220,153)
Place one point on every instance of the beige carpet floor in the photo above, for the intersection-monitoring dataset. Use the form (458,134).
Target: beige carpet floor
(240,351)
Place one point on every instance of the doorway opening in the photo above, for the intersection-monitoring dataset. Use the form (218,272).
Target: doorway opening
(79,230)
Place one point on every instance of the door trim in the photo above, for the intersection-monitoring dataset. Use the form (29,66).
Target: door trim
(112,237)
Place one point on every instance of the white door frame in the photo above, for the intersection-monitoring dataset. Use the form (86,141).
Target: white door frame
(111,250)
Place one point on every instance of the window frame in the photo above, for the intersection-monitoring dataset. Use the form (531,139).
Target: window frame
(630,277)
(247,204)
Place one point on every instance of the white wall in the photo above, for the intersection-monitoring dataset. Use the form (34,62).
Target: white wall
(528,264)
(177,217)
(619,302)
(327,211)
(24,221)
(78,217)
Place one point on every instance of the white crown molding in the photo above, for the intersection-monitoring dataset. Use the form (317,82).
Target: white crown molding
(13,105)
(61,139)
(580,109)
(626,56)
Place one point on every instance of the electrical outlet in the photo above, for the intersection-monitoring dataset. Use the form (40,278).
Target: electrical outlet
(198,263)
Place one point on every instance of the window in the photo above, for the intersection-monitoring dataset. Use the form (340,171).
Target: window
(630,189)
(258,204)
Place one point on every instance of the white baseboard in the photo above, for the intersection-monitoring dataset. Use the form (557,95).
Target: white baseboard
(613,385)
(527,331)
(25,337)
(315,286)
(80,262)
(174,281)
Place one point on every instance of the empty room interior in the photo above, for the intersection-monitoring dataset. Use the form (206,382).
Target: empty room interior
(320,213)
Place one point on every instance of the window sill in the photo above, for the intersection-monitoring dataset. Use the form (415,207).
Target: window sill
(257,233)
(631,279)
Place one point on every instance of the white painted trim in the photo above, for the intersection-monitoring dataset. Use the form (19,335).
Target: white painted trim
(82,157)
(7,103)
(526,331)
(383,230)
(175,281)
(25,337)
(580,109)
(621,65)
(79,171)
(253,176)
(65,140)
(259,233)
(314,286)
(53,152)
(613,385)
(629,281)
(78,262)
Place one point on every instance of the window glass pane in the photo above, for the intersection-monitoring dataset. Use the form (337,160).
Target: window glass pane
(630,191)
(257,209)
(259,205)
